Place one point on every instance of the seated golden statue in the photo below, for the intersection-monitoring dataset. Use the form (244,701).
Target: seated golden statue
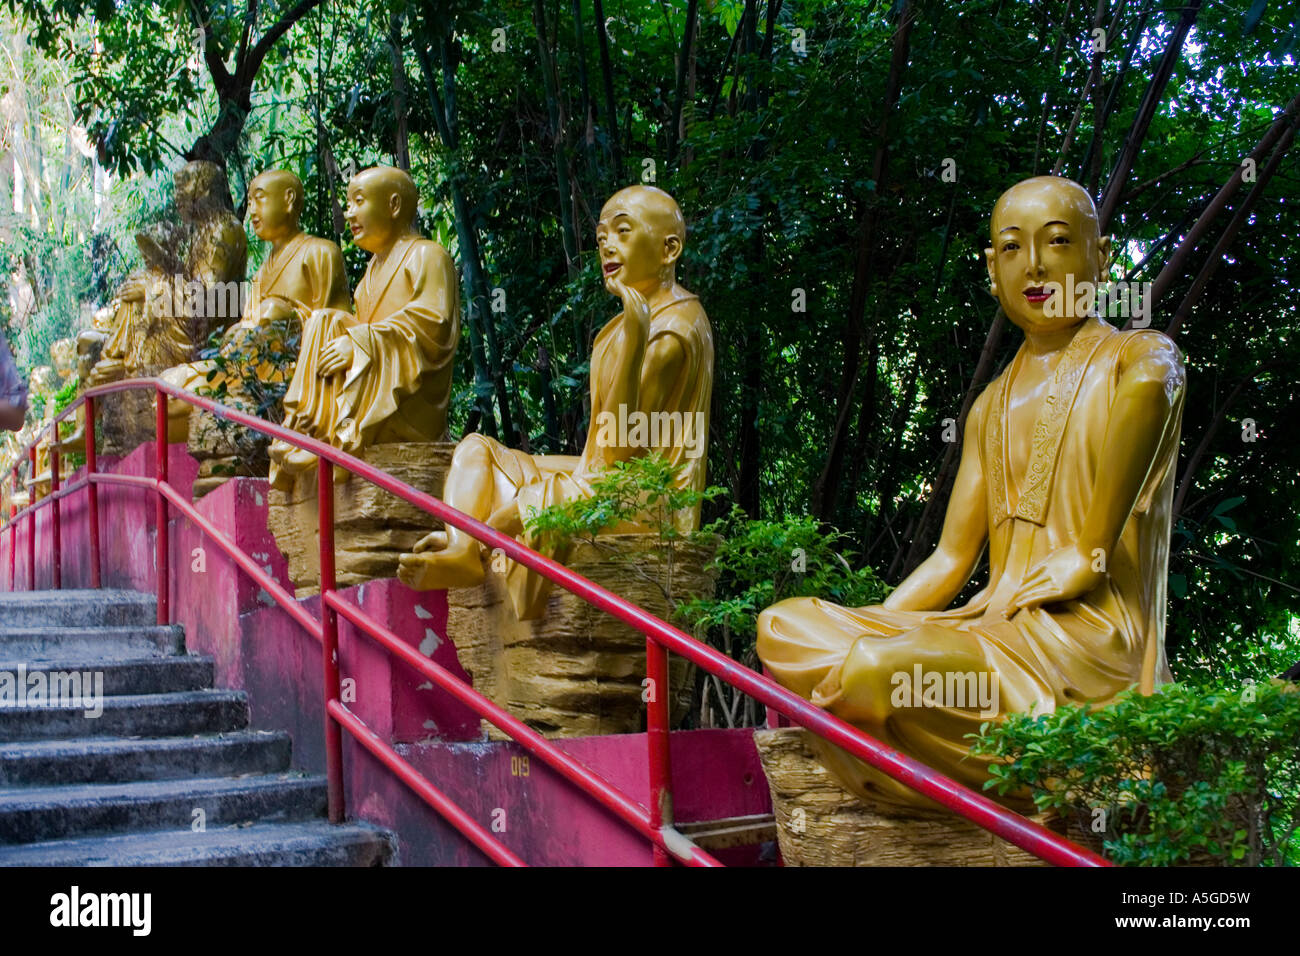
(652,362)
(301,273)
(1067,474)
(384,374)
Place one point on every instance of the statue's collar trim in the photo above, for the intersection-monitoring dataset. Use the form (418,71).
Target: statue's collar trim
(1049,428)
(274,265)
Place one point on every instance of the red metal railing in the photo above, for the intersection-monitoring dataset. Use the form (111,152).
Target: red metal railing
(654,823)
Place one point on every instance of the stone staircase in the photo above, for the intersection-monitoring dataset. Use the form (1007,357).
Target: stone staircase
(129,786)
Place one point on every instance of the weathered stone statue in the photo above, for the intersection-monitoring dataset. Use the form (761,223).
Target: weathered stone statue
(1066,476)
(301,274)
(148,335)
(89,347)
(191,285)
(652,365)
(382,375)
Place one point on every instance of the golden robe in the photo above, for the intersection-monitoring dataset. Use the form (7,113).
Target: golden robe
(1088,649)
(540,481)
(309,274)
(404,336)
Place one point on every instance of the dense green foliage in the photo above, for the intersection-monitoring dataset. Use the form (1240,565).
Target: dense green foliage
(837,163)
(642,490)
(1187,774)
(760,562)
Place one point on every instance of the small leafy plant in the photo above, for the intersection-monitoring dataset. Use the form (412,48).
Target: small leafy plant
(251,371)
(1187,774)
(642,490)
(757,564)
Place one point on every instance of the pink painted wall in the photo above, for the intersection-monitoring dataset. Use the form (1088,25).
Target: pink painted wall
(260,649)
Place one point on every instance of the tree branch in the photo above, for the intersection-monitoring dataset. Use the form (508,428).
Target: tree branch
(1146,112)
(277,30)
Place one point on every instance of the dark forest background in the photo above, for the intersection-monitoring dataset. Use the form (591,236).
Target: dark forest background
(836,162)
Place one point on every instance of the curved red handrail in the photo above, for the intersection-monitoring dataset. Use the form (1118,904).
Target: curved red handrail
(661,637)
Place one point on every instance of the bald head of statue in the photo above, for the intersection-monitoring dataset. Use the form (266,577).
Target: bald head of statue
(640,236)
(382,204)
(275,199)
(1045,242)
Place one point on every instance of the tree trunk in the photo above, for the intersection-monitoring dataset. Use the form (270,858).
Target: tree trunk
(401,134)
(824,490)
(607,78)
(549,85)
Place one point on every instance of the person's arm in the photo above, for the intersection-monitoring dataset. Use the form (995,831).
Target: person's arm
(939,578)
(13,391)
(12,415)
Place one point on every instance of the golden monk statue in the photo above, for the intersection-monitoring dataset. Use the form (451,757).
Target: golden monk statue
(190,284)
(384,374)
(301,274)
(1067,474)
(653,363)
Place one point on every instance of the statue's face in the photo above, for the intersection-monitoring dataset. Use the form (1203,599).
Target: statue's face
(634,249)
(270,207)
(1045,243)
(372,211)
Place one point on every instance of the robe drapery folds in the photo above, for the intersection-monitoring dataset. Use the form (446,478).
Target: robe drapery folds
(1084,650)
(535,482)
(308,273)
(404,337)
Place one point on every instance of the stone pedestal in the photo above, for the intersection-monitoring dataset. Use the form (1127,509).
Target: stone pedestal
(576,671)
(225,449)
(819,823)
(372,528)
(127,420)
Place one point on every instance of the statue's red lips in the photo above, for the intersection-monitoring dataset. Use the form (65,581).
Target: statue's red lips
(1037,294)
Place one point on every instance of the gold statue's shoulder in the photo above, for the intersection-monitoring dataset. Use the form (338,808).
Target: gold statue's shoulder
(1137,344)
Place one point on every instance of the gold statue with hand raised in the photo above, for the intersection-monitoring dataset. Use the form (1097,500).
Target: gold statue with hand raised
(382,374)
(652,363)
(1066,476)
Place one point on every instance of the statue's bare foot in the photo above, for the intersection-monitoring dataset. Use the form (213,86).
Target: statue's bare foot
(433,541)
(437,570)
(297,460)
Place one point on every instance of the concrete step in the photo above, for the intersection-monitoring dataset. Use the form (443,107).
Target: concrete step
(134,675)
(77,607)
(125,759)
(315,843)
(35,814)
(138,715)
(118,642)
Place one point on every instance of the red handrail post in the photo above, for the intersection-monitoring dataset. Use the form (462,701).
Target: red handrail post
(92,492)
(54,493)
(329,640)
(160,472)
(31,521)
(661,792)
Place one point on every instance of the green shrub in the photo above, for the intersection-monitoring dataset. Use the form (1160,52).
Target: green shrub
(1185,774)
(642,489)
(759,563)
